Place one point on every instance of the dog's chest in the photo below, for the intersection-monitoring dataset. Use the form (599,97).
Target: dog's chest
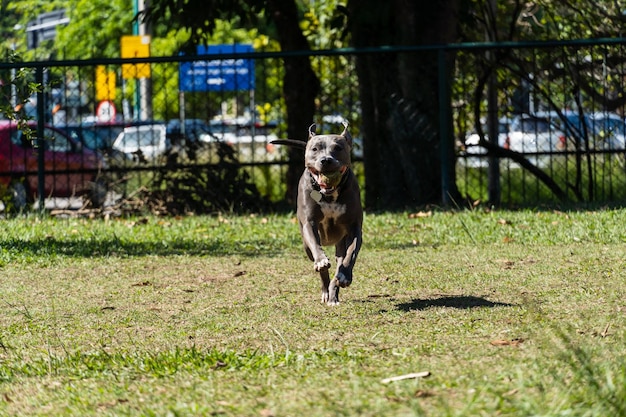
(330,208)
(332,211)
(331,228)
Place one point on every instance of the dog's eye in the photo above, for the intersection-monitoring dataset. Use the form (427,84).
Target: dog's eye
(314,149)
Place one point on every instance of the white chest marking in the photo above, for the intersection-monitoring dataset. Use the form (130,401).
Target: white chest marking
(332,210)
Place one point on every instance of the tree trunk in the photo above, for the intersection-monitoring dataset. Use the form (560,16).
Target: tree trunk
(300,85)
(400,100)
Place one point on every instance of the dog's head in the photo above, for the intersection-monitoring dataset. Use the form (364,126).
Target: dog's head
(327,158)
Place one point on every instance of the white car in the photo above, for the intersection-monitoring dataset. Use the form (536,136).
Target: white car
(471,146)
(143,143)
(535,135)
(610,130)
(524,134)
(249,148)
(191,130)
(530,134)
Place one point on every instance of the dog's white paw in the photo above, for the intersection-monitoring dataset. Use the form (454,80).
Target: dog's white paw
(331,294)
(326,299)
(322,264)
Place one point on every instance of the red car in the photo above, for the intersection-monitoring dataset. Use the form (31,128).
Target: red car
(70,168)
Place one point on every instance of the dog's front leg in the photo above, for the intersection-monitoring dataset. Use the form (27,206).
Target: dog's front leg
(312,245)
(311,239)
(346,252)
(330,290)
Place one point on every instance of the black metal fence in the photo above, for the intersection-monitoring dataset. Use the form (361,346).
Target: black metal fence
(533,123)
(555,110)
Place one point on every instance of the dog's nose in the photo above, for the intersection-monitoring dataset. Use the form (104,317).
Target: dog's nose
(326,160)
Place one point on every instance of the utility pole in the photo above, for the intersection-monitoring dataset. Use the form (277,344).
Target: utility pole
(143,94)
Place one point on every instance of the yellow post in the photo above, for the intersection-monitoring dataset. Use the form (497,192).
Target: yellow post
(105,84)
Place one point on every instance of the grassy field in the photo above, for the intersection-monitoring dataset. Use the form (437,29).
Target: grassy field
(508,313)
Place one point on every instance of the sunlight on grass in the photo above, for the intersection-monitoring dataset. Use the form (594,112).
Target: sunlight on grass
(511,313)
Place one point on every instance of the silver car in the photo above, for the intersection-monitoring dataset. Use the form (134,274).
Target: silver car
(143,143)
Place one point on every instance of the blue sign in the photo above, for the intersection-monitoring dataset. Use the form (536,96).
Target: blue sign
(234,74)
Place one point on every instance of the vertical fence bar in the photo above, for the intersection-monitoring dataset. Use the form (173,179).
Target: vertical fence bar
(41,114)
(493,130)
(444,130)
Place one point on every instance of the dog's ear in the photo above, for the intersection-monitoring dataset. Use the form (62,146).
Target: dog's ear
(345,132)
(312,130)
(296,143)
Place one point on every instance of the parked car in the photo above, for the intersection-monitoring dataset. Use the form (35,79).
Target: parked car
(192,136)
(610,129)
(535,134)
(192,130)
(143,143)
(70,168)
(239,135)
(98,137)
(589,131)
(474,154)
(577,127)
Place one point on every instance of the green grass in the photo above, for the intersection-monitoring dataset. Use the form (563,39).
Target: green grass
(512,313)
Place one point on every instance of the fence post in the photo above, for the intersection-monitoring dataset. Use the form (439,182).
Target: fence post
(40,144)
(493,130)
(444,131)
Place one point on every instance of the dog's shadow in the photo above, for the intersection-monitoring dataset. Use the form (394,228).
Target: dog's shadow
(462,302)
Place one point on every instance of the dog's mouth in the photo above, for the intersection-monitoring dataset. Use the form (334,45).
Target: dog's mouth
(328,180)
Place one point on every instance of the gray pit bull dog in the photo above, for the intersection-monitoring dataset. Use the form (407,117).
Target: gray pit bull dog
(329,207)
